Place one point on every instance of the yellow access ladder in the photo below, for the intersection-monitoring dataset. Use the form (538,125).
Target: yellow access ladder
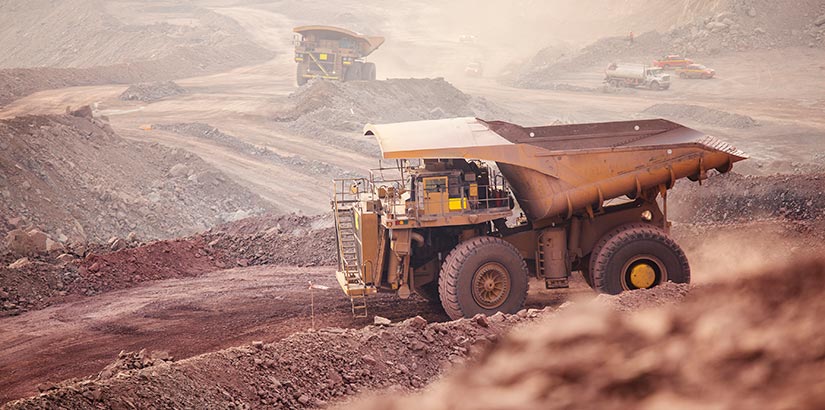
(349,263)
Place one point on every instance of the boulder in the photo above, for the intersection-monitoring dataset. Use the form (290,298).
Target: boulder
(33,241)
(118,244)
(820,20)
(716,26)
(52,245)
(179,171)
(381,321)
(65,258)
(22,262)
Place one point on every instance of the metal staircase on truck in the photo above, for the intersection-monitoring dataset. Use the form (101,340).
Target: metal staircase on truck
(349,264)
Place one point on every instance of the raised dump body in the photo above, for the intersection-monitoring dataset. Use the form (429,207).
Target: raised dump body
(334,53)
(449,228)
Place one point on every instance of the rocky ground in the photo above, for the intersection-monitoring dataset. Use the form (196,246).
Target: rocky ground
(307,369)
(735,334)
(53,179)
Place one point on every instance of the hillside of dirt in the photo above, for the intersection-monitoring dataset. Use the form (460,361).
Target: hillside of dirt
(73,178)
(743,25)
(95,42)
(725,346)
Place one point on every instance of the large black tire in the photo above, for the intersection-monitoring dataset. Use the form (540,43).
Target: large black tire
(655,86)
(368,72)
(635,256)
(683,75)
(353,72)
(586,272)
(482,275)
(299,75)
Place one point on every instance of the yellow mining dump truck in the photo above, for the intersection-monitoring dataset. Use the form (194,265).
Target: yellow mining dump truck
(473,207)
(333,53)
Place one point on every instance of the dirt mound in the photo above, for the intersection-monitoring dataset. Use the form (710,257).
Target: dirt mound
(327,109)
(281,240)
(52,176)
(729,342)
(745,25)
(733,197)
(150,92)
(46,278)
(700,114)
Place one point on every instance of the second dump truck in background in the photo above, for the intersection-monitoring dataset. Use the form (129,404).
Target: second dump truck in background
(333,53)
(445,222)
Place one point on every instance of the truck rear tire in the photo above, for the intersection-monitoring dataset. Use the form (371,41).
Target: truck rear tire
(637,256)
(368,72)
(482,275)
(299,75)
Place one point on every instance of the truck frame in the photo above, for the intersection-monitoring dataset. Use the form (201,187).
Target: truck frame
(333,53)
(472,208)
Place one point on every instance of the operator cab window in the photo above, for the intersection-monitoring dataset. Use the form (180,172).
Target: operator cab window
(435,184)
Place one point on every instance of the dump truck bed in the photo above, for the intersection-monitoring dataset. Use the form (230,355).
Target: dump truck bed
(366,44)
(556,171)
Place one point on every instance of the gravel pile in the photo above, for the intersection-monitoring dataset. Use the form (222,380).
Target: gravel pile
(703,115)
(733,197)
(334,111)
(150,92)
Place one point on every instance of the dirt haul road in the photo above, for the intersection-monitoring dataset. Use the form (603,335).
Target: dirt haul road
(184,317)
(190,316)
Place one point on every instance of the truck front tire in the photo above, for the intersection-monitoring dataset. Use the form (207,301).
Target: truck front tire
(299,75)
(482,275)
(368,72)
(637,256)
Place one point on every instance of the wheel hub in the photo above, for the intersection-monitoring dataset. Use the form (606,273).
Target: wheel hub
(491,285)
(642,276)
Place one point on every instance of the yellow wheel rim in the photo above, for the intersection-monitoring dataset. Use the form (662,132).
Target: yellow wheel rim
(491,285)
(642,276)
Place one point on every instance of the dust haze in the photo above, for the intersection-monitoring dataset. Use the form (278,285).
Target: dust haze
(167,239)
